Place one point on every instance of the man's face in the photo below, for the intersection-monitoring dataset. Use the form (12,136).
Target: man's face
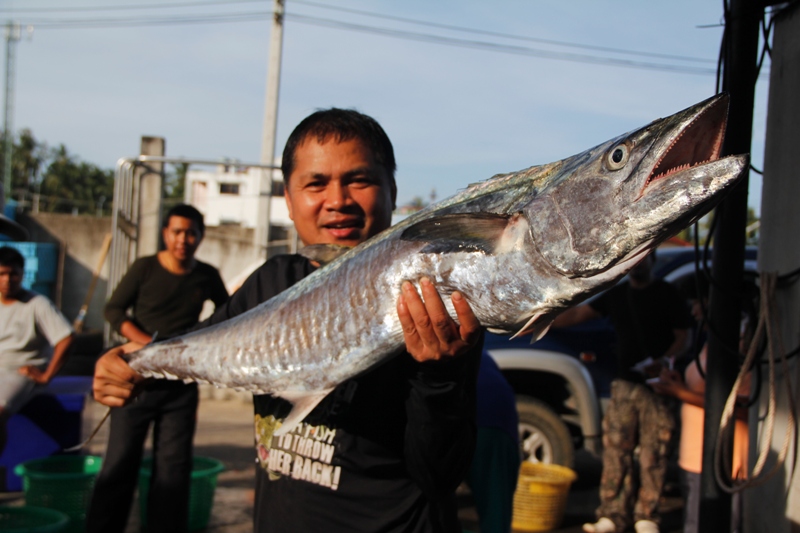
(182,237)
(338,193)
(10,281)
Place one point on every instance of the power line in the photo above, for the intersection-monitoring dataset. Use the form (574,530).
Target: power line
(128,7)
(504,35)
(253,16)
(496,47)
(342,10)
(99,23)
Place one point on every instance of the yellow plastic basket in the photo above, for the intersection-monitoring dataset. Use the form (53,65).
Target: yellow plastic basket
(541,496)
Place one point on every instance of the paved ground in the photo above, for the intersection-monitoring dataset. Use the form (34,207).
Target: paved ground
(225,433)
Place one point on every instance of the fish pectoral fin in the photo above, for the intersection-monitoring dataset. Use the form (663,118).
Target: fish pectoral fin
(302,405)
(538,326)
(323,253)
(459,232)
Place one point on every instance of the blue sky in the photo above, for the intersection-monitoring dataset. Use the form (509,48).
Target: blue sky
(456,114)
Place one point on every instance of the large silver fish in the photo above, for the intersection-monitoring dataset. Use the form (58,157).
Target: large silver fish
(521,247)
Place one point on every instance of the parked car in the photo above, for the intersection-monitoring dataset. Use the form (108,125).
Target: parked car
(563,381)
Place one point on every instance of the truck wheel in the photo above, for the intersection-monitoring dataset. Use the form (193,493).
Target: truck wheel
(544,438)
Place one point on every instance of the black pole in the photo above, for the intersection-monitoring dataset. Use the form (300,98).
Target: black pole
(739,79)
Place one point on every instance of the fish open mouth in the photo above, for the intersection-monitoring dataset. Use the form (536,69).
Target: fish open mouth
(698,143)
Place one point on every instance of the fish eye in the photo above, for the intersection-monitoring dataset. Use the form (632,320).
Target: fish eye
(617,157)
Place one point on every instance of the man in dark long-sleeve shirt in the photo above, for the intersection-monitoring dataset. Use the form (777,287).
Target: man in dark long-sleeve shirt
(386,450)
(166,293)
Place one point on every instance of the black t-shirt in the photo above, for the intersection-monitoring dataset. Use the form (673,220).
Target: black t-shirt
(644,320)
(384,451)
(161,301)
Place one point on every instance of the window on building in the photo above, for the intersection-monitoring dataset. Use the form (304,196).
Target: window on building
(229,188)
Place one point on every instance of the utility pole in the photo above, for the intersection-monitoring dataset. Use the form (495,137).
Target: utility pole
(12,36)
(739,78)
(261,234)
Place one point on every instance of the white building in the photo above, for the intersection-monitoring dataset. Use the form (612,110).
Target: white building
(229,195)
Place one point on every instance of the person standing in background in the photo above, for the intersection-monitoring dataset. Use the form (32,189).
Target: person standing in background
(652,324)
(166,292)
(493,474)
(690,390)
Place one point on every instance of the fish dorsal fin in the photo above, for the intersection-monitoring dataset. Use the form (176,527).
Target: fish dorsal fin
(459,232)
(537,326)
(302,405)
(323,253)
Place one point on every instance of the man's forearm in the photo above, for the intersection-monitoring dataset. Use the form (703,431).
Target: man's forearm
(130,331)
(59,357)
(679,344)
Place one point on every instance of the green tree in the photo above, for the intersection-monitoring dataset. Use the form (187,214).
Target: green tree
(28,157)
(70,184)
(175,183)
(753,227)
(64,182)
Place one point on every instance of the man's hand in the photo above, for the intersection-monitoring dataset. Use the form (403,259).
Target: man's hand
(34,374)
(43,377)
(429,332)
(669,382)
(114,381)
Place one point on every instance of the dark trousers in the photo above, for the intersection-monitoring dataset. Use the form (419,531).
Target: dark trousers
(492,478)
(172,409)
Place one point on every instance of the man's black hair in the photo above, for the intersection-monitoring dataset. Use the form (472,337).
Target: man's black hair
(341,125)
(10,257)
(186,211)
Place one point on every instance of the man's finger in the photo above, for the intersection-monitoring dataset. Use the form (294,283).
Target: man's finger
(469,325)
(441,322)
(111,364)
(413,342)
(110,400)
(419,314)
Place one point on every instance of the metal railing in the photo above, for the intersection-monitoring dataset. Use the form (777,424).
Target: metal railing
(125,227)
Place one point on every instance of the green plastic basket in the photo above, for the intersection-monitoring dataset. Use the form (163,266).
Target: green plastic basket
(32,520)
(61,482)
(201,491)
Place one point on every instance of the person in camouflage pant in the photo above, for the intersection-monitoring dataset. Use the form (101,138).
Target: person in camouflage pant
(635,416)
(652,323)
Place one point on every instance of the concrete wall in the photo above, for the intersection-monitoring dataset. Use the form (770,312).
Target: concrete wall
(775,506)
(82,238)
(230,249)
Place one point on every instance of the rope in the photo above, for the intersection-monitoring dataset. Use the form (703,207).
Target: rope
(767,322)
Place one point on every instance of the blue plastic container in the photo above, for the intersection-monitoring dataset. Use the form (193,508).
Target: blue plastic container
(48,424)
(41,265)
(10,209)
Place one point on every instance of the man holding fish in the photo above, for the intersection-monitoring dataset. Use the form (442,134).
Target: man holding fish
(383,451)
(368,440)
